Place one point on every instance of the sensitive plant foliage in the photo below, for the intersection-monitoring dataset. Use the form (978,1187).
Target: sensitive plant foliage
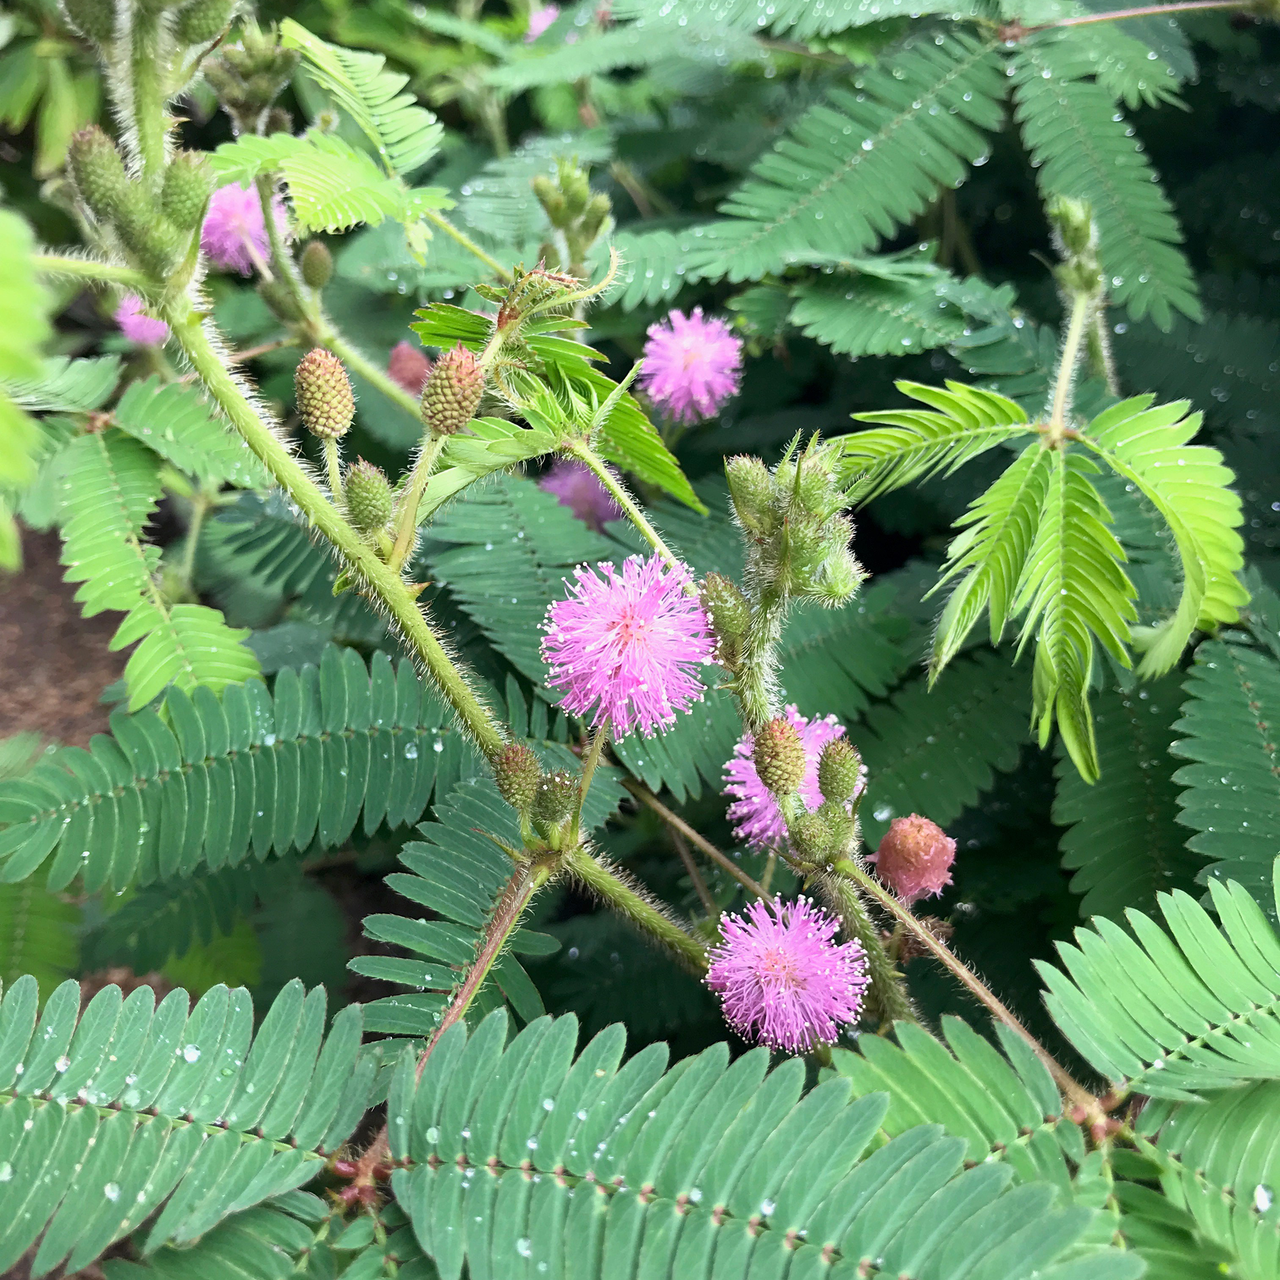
(781,977)
(624,649)
(519,682)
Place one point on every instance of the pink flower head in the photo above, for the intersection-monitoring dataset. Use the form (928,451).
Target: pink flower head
(625,646)
(139,327)
(408,366)
(754,812)
(691,365)
(781,979)
(234,236)
(577,487)
(540,20)
(914,858)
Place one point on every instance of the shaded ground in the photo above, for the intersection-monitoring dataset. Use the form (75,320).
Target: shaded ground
(54,663)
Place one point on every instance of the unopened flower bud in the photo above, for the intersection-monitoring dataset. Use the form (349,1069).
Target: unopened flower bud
(729,612)
(914,858)
(188,184)
(779,758)
(840,772)
(324,395)
(751,488)
(408,367)
(99,171)
(452,394)
(202,20)
(317,265)
(368,497)
(279,297)
(551,199)
(554,803)
(598,212)
(810,838)
(517,772)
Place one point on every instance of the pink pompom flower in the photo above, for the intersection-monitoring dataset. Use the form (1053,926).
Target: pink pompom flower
(539,20)
(408,366)
(139,327)
(781,978)
(914,858)
(755,814)
(691,365)
(578,488)
(234,235)
(625,646)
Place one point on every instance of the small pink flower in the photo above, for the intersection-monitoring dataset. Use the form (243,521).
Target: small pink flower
(781,978)
(540,20)
(577,487)
(408,366)
(234,236)
(626,646)
(139,327)
(691,366)
(754,812)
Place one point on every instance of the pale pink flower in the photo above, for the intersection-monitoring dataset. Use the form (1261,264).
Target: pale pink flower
(539,20)
(234,236)
(914,858)
(408,366)
(577,487)
(691,365)
(626,646)
(781,978)
(139,327)
(754,812)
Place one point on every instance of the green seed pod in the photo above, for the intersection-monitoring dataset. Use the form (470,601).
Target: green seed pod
(810,838)
(99,172)
(324,395)
(203,20)
(518,773)
(93,19)
(452,394)
(729,612)
(554,804)
(368,497)
(188,184)
(779,757)
(317,265)
(839,771)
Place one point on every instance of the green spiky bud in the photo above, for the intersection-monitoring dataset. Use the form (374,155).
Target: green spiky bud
(729,612)
(452,392)
(598,212)
(324,395)
(203,20)
(839,771)
(1073,221)
(93,19)
(810,838)
(576,188)
(554,804)
(535,292)
(99,172)
(368,497)
(518,772)
(551,199)
(779,757)
(188,184)
(317,265)
(751,488)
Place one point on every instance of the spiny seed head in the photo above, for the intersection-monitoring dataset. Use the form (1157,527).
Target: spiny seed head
(914,858)
(317,264)
(93,19)
(324,395)
(201,20)
(99,171)
(809,837)
(729,611)
(452,394)
(554,801)
(779,757)
(368,496)
(517,771)
(188,184)
(839,771)
(751,488)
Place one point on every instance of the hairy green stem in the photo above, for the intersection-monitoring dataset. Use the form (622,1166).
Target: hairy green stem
(461,237)
(620,897)
(407,516)
(1119,15)
(1082,304)
(695,876)
(589,763)
(695,838)
(403,608)
(150,121)
(847,871)
(334,468)
(94,272)
(754,684)
(200,505)
(356,360)
(888,989)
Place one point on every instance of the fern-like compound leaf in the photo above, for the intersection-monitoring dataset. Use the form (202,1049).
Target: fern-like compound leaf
(130,1108)
(1083,150)
(1230,732)
(1189,486)
(217,779)
(1174,1014)
(523,1156)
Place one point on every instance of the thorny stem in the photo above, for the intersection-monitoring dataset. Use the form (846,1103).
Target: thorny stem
(291,477)
(623,899)
(695,876)
(849,870)
(407,517)
(695,838)
(589,763)
(1081,306)
(888,990)
(94,272)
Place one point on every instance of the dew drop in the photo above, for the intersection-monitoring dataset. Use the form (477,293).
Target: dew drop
(112,1191)
(191,1053)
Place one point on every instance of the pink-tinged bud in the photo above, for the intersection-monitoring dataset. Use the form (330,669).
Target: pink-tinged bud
(517,771)
(452,394)
(779,757)
(408,367)
(324,395)
(914,858)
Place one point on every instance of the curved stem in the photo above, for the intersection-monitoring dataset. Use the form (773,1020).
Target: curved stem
(695,876)
(1119,15)
(355,359)
(93,272)
(888,989)
(850,870)
(320,512)
(407,517)
(589,763)
(455,233)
